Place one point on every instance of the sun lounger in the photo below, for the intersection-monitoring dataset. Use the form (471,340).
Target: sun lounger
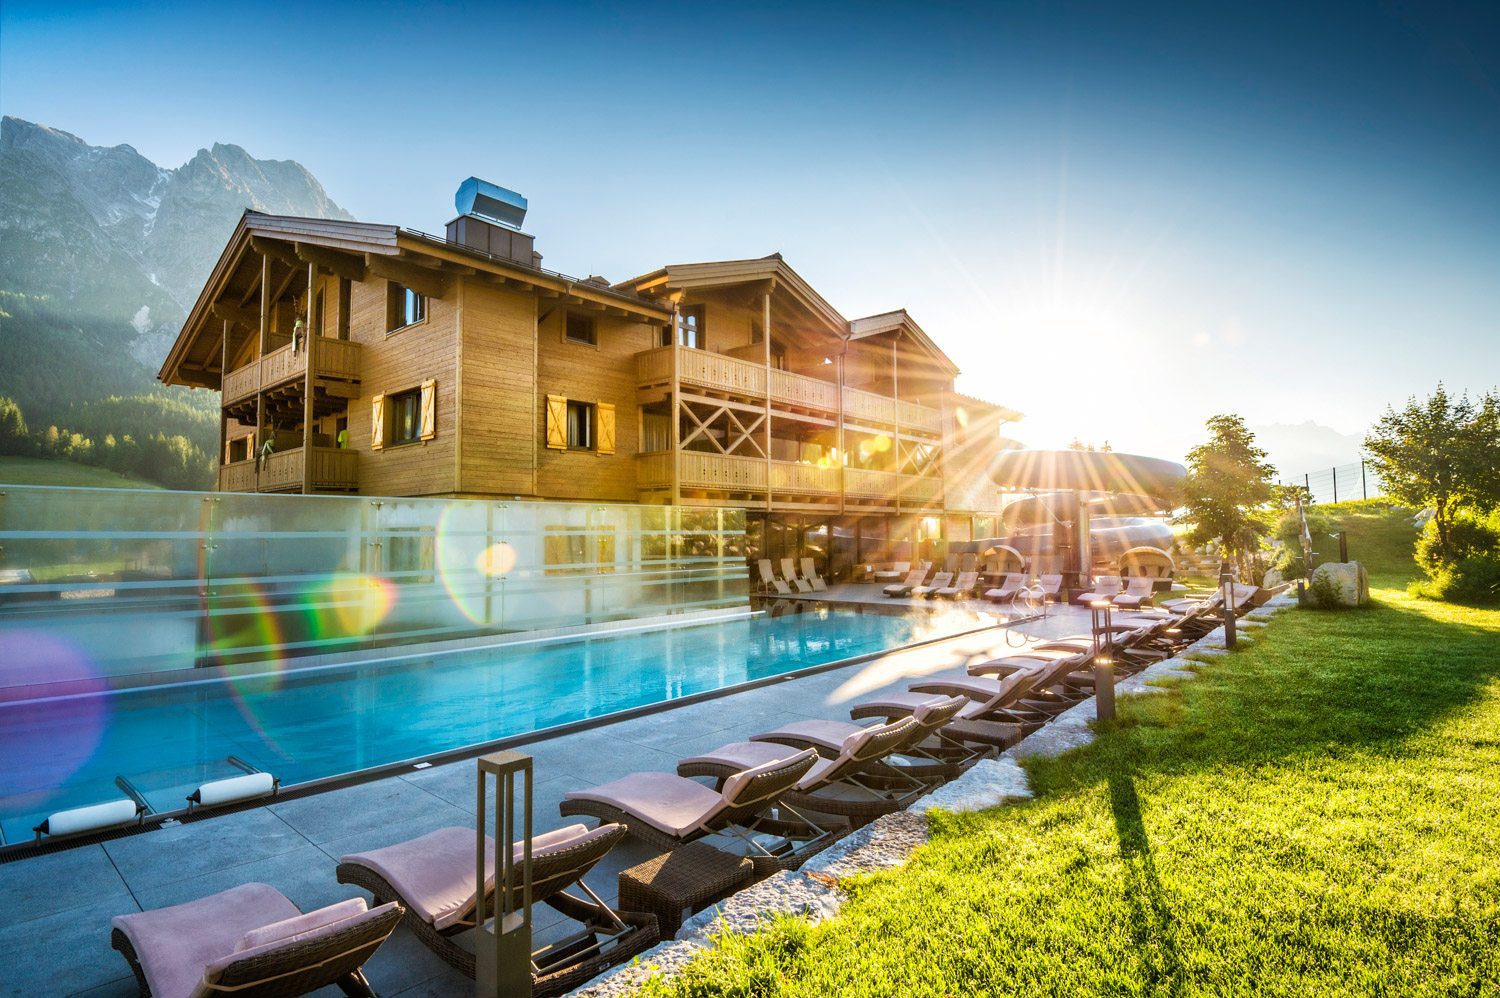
(666,810)
(988,720)
(1007,589)
(835,784)
(1106,587)
(1051,586)
(895,572)
(768,580)
(965,586)
(925,755)
(1140,590)
(810,573)
(939,581)
(904,588)
(789,573)
(251,940)
(433,876)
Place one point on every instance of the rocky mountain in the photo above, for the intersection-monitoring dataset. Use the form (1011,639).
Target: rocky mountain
(1296,449)
(102,252)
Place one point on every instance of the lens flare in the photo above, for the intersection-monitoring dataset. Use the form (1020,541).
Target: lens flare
(359,603)
(75,724)
(460,554)
(497,559)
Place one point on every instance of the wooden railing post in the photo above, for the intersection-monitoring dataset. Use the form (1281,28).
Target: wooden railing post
(310,341)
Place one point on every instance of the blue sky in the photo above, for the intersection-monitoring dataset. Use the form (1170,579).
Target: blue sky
(1119,221)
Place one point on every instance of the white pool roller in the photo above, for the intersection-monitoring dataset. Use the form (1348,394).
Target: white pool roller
(88,819)
(235,788)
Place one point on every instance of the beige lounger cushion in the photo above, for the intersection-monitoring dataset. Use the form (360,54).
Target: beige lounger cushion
(824,734)
(174,944)
(434,873)
(750,755)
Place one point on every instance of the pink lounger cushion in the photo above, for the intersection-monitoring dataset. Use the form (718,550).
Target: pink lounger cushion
(668,802)
(434,873)
(215,969)
(824,734)
(175,944)
(295,929)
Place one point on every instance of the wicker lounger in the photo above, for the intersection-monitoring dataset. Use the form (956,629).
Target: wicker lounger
(833,785)
(252,941)
(434,876)
(667,810)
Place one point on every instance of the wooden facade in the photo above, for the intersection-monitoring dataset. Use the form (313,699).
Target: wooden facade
(369,359)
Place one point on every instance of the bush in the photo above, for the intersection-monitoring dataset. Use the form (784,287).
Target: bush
(1468,536)
(1474,580)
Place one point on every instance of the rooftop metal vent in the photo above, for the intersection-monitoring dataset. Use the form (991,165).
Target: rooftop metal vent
(490,202)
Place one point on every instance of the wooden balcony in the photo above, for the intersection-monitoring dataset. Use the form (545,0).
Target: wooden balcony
(720,375)
(333,470)
(338,360)
(723,473)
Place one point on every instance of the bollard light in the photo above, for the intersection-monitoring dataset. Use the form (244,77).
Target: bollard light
(1104,662)
(1226,586)
(502,944)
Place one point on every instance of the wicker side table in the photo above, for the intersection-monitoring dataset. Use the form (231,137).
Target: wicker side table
(688,878)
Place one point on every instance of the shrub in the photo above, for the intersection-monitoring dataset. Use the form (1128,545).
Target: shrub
(1468,537)
(1473,580)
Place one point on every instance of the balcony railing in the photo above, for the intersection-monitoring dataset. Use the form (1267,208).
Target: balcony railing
(732,376)
(337,359)
(724,473)
(333,470)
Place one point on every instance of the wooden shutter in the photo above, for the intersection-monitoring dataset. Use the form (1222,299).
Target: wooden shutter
(557,422)
(427,426)
(377,422)
(606,413)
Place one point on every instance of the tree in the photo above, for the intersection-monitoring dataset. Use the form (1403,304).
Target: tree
(1229,494)
(14,438)
(1440,452)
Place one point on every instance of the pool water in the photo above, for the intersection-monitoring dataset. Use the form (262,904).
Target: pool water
(312,724)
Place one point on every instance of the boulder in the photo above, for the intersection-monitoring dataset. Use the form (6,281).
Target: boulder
(1340,584)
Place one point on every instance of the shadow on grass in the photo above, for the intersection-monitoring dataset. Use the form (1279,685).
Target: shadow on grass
(1151,923)
(1313,683)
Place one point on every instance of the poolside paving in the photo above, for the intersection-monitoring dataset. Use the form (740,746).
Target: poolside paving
(55,908)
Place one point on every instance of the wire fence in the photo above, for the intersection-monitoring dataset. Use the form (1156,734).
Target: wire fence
(1340,483)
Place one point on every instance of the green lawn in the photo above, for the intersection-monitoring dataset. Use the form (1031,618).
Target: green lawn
(1314,815)
(41,471)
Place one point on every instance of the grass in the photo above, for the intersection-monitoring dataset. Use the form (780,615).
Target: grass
(1315,814)
(52,471)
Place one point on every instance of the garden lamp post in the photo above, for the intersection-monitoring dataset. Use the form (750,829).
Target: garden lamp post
(1104,660)
(502,947)
(1226,588)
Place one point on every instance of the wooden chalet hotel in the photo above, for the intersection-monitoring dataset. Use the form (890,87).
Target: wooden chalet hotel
(362,358)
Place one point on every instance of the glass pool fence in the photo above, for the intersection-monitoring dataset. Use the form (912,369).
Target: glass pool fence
(103,585)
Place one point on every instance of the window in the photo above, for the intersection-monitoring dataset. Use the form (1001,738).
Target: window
(581,329)
(580,426)
(404,410)
(404,307)
(690,329)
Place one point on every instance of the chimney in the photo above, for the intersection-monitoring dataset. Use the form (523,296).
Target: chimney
(489,220)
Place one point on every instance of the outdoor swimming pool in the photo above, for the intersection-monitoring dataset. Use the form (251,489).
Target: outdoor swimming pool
(315,724)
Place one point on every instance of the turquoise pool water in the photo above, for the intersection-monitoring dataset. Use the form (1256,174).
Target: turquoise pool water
(313,724)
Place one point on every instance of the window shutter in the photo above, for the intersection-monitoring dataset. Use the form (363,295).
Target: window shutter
(427,428)
(228,448)
(557,422)
(377,422)
(606,428)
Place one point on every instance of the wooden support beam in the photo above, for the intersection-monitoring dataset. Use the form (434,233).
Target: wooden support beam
(419,279)
(284,252)
(310,339)
(345,265)
(247,317)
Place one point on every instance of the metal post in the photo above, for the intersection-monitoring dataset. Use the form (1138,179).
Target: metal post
(1364,489)
(1307,484)
(1103,664)
(502,947)
(1343,547)
(1226,585)
(1335,484)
